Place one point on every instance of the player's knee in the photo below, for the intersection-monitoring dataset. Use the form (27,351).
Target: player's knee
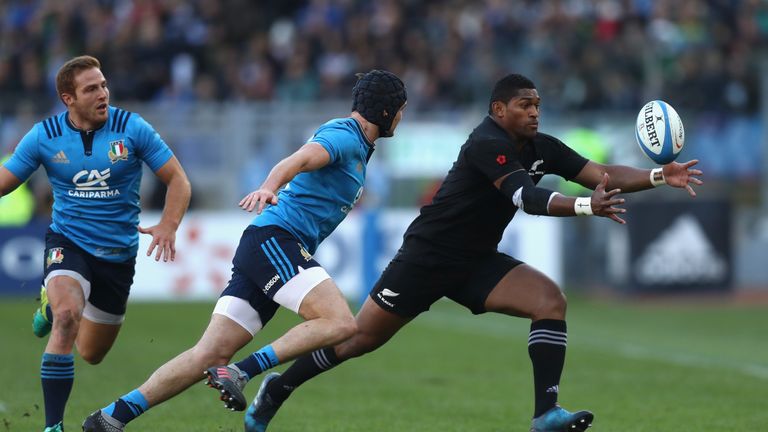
(359,344)
(209,356)
(552,305)
(91,356)
(67,318)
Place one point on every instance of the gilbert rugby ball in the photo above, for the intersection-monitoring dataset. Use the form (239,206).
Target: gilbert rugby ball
(659,132)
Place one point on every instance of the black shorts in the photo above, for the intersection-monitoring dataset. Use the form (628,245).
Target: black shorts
(267,260)
(106,284)
(408,289)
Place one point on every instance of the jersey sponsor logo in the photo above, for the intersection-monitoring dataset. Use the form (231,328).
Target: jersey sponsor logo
(92,184)
(55,256)
(348,208)
(501,159)
(271,282)
(534,168)
(117,151)
(60,157)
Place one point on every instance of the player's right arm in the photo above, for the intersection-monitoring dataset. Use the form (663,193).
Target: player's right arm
(310,157)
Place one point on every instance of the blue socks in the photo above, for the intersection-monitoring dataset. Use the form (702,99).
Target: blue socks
(57,373)
(128,407)
(258,362)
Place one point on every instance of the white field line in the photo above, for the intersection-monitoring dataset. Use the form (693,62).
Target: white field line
(465,322)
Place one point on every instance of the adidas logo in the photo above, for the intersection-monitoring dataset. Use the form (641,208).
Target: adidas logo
(554,389)
(682,254)
(60,157)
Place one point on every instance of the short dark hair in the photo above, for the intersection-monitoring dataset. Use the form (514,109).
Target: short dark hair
(507,88)
(65,78)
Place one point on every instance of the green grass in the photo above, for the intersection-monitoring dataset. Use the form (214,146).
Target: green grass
(662,367)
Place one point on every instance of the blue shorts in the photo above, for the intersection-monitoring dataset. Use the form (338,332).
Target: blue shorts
(271,267)
(105,284)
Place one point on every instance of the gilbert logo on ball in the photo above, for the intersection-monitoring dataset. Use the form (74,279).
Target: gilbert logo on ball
(659,132)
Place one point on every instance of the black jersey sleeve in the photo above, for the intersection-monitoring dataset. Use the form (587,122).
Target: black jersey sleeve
(494,158)
(566,162)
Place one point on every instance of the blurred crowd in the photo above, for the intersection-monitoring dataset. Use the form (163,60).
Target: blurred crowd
(583,54)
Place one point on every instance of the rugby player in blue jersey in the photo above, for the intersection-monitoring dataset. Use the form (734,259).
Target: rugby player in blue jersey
(273,264)
(93,155)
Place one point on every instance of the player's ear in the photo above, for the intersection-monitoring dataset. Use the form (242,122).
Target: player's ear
(498,108)
(67,99)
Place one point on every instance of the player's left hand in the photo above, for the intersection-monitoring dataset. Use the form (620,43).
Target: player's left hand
(681,176)
(164,239)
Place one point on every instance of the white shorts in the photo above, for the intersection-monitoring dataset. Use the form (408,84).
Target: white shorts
(290,296)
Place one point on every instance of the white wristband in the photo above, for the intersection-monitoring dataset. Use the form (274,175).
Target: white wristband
(657,177)
(583,206)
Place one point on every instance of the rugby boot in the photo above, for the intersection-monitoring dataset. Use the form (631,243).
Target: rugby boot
(41,326)
(559,420)
(99,422)
(261,411)
(58,427)
(230,381)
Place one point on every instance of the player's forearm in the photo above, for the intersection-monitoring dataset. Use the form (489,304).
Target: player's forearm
(628,179)
(282,173)
(176,200)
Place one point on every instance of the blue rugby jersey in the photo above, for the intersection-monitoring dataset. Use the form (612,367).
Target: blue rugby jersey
(313,204)
(96,195)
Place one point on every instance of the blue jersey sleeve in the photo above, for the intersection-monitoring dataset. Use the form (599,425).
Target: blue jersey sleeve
(338,142)
(150,146)
(26,157)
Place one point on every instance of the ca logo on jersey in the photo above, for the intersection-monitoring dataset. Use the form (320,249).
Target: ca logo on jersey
(95,180)
(117,151)
(92,184)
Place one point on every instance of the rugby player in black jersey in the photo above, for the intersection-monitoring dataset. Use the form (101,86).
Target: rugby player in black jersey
(450,249)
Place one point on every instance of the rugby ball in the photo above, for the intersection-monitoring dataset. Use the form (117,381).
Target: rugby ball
(659,132)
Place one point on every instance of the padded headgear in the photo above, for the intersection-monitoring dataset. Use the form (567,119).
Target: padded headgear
(378,96)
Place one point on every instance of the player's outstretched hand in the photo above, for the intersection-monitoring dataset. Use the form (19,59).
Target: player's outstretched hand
(681,176)
(604,203)
(164,239)
(258,199)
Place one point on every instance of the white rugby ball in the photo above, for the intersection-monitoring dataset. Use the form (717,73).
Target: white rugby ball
(659,132)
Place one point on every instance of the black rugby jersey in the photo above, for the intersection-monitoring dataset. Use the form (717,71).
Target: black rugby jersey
(468,214)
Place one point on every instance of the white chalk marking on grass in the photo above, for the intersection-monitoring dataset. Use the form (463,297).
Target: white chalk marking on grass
(491,326)
(3,407)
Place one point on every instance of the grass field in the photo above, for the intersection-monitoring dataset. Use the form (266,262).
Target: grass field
(650,367)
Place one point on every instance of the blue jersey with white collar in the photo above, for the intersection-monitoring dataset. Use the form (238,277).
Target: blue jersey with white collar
(313,204)
(95,177)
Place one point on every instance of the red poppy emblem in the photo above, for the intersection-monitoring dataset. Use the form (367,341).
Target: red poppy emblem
(501,159)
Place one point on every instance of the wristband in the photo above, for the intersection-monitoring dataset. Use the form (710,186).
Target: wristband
(657,177)
(583,206)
